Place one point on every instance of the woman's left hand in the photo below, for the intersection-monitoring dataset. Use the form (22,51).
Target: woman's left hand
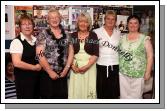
(63,73)
(83,69)
(147,76)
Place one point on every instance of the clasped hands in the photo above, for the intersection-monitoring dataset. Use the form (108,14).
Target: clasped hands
(53,75)
(80,70)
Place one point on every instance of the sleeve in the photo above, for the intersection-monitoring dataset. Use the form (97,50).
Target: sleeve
(94,30)
(69,38)
(120,40)
(95,45)
(147,38)
(16,46)
(72,38)
(41,39)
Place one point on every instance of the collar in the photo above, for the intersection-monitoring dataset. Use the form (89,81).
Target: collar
(24,37)
(49,31)
(104,30)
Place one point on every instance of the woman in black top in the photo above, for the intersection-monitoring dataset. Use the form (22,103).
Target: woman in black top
(26,68)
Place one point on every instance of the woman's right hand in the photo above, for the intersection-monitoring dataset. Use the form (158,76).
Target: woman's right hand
(53,75)
(75,69)
(37,67)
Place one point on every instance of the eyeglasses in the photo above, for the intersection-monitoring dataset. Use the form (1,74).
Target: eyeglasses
(26,25)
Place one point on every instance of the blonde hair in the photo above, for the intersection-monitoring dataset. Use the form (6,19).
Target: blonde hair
(88,17)
(110,12)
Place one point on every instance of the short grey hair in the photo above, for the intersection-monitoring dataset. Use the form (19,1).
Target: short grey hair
(88,17)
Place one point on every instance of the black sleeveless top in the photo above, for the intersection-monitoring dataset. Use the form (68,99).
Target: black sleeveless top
(28,56)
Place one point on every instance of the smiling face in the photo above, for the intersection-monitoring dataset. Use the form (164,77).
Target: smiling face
(110,20)
(39,12)
(54,19)
(133,25)
(83,24)
(26,27)
(10,68)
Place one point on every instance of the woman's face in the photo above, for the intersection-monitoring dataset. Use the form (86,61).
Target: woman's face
(26,27)
(54,19)
(110,21)
(10,68)
(83,24)
(133,25)
(39,12)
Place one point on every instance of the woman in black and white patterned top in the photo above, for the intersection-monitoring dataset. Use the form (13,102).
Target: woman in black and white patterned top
(55,55)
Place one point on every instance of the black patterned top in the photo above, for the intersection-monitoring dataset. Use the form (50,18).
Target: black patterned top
(56,50)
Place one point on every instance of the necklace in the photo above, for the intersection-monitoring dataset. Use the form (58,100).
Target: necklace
(83,36)
(57,33)
(81,39)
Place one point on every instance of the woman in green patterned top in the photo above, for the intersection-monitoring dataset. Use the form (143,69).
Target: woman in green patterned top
(135,60)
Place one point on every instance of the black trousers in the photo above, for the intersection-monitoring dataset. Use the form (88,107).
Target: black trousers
(27,85)
(107,87)
(53,89)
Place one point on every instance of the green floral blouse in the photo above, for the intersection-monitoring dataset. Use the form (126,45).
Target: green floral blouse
(132,56)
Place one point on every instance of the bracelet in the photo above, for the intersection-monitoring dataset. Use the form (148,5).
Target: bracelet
(68,66)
